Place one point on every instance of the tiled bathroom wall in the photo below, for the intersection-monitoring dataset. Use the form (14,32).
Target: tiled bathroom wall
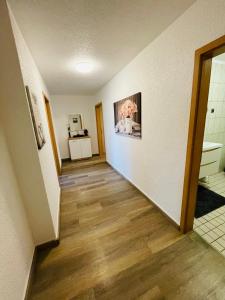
(215,119)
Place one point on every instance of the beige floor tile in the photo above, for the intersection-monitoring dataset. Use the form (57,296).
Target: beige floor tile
(210,226)
(199,231)
(217,246)
(221,241)
(208,238)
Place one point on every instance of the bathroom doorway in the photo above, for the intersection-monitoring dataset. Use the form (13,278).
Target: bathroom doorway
(203,206)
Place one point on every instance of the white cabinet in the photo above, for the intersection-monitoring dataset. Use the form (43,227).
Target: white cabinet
(80,148)
(85,146)
(75,150)
(211,153)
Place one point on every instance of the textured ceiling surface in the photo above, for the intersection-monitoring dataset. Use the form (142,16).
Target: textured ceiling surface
(108,33)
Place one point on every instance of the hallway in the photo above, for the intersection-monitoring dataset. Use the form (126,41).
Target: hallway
(86,89)
(115,244)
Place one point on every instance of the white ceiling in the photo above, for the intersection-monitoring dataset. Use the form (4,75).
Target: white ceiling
(109,33)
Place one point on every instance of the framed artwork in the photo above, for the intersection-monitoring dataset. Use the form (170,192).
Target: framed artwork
(75,122)
(127,116)
(36,119)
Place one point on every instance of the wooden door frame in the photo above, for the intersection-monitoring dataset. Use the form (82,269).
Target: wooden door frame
(101,144)
(52,133)
(199,101)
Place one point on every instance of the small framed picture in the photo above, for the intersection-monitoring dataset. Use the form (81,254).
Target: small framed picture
(36,119)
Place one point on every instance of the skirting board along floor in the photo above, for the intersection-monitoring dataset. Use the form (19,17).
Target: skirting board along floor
(162,211)
(31,275)
(42,247)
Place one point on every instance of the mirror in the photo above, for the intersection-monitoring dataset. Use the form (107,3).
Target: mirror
(75,122)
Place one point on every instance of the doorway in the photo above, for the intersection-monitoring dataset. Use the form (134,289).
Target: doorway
(195,147)
(52,134)
(100,129)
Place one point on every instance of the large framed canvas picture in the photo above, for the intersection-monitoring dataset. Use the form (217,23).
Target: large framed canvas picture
(127,116)
(36,119)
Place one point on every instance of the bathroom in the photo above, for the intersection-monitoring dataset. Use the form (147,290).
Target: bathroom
(209,220)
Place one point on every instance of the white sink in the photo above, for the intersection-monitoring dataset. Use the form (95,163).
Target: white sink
(210,146)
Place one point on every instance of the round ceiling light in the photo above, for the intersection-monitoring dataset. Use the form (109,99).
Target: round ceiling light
(84,67)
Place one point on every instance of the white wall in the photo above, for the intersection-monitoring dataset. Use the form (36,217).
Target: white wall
(30,164)
(16,243)
(32,78)
(163,73)
(215,121)
(62,106)
(27,207)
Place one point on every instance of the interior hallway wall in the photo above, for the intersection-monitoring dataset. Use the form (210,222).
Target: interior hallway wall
(215,118)
(63,105)
(17,124)
(33,80)
(16,241)
(163,73)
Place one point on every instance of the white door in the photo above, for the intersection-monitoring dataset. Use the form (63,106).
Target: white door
(86,147)
(75,149)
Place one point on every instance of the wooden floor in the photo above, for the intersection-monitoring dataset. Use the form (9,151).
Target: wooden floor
(116,245)
(94,160)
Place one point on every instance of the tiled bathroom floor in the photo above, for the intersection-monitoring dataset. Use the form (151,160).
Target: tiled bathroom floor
(211,227)
(216,183)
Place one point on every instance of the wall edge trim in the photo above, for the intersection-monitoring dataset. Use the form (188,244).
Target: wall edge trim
(31,275)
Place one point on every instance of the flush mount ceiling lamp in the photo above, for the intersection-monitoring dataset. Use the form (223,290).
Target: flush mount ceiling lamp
(84,67)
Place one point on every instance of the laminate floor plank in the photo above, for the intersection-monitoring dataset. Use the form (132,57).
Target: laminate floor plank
(115,244)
